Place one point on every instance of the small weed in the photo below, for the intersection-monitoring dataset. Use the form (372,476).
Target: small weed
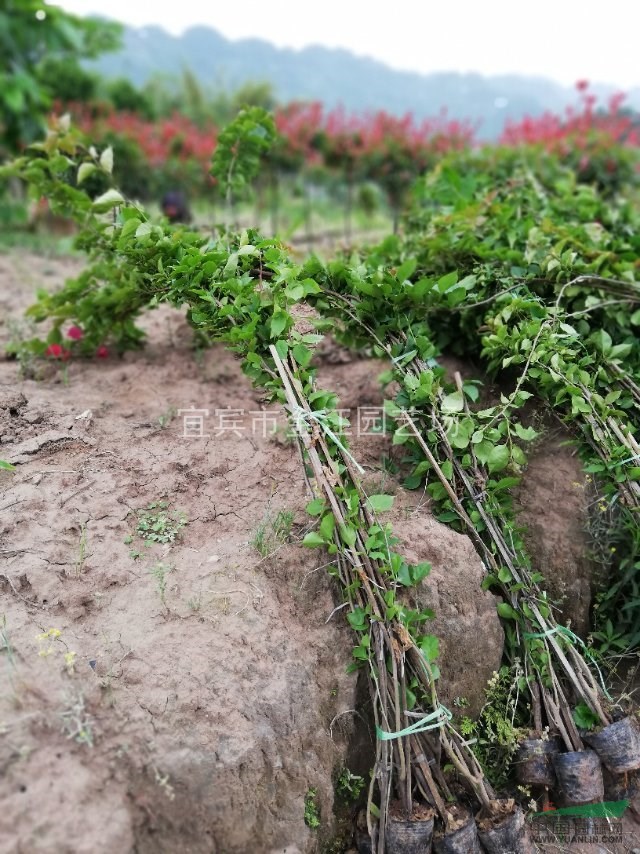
(348,785)
(311,808)
(388,465)
(46,641)
(162,781)
(76,722)
(159,572)
(195,603)
(608,641)
(50,642)
(82,551)
(498,728)
(167,417)
(272,532)
(5,643)
(159,524)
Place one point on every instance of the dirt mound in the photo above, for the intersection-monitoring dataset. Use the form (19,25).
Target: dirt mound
(552,503)
(466,621)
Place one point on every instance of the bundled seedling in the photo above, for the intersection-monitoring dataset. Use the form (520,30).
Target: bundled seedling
(413,728)
(466,451)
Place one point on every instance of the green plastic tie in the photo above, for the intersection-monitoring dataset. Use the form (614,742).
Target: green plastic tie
(563,630)
(320,417)
(435,720)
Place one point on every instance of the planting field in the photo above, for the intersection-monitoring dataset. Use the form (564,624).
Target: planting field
(315,552)
(189,694)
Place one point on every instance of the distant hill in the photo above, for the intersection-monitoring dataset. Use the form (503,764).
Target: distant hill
(334,77)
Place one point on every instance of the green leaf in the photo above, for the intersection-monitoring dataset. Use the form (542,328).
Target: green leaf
(248,249)
(504,575)
(6,466)
(380,503)
(313,540)
(278,323)
(517,456)
(453,402)
(620,351)
(498,458)
(603,342)
(231,267)
(144,229)
(471,390)
(406,269)
(447,282)
(107,201)
(506,611)
(420,571)
(403,575)
(527,434)
(282,348)
(456,296)
(84,170)
(315,507)
(327,526)
(302,355)
(430,646)
(294,292)
(585,718)
(358,619)
(106,160)
(349,534)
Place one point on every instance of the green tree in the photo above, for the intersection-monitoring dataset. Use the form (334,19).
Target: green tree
(32,33)
(124,96)
(65,80)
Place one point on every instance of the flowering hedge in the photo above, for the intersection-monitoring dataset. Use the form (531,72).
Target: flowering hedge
(584,137)
(599,142)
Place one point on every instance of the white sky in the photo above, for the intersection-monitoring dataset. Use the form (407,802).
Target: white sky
(561,39)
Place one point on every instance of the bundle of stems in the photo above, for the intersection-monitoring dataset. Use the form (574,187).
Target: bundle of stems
(547,649)
(409,762)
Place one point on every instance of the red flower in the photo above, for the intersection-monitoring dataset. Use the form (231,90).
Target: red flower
(75,333)
(582,85)
(57,351)
(102,352)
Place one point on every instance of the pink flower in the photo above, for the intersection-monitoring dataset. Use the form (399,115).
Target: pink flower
(75,333)
(57,351)
(582,85)
(102,352)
